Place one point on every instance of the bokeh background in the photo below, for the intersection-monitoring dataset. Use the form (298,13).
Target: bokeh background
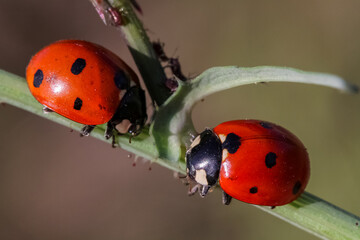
(56,185)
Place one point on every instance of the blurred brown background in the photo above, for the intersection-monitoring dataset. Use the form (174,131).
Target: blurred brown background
(56,185)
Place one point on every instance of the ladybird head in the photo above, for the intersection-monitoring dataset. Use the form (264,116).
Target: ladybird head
(130,116)
(203,158)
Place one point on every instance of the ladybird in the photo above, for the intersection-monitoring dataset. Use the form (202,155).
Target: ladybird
(254,161)
(88,84)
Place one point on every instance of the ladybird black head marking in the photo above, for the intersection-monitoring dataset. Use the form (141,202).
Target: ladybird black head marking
(78,104)
(78,66)
(270,160)
(266,125)
(296,187)
(253,190)
(38,78)
(203,159)
(131,113)
(232,143)
(121,80)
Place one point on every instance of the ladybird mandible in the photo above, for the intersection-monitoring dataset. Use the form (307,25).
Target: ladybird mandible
(88,84)
(254,161)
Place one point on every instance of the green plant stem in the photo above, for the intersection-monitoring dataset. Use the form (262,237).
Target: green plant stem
(140,47)
(14,91)
(173,125)
(308,212)
(318,217)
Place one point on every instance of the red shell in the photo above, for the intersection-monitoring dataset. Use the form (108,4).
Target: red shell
(250,176)
(95,84)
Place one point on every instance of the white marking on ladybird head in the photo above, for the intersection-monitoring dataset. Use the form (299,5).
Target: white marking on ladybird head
(132,83)
(200,177)
(195,142)
(123,126)
(122,94)
(225,154)
(222,137)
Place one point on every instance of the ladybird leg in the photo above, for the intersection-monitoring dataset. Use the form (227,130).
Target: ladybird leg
(193,190)
(109,131)
(183,178)
(204,190)
(86,130)
(179,175)
(113,142)
(47,110)
(192,136)
(226,198)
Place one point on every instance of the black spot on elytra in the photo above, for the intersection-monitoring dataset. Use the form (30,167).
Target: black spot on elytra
(266,125)
(231,143)
(78,104)
(253,190)
(296,187)
(270,160)
(78,66)
(121,80)
(38,78)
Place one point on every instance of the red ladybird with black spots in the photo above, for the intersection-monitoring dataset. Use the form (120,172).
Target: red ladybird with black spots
(254,161)
(88,84)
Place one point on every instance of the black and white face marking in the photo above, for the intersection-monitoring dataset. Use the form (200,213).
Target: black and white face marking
(123,126)
(131,115)
(203,159)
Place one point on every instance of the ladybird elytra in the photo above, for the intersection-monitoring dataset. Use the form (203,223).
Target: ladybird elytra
(86,83)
